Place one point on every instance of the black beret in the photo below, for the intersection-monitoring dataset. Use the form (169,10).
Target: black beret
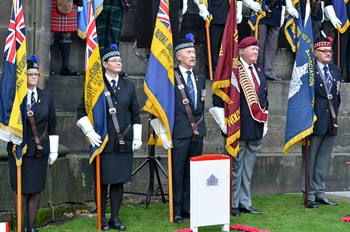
(323,42)
(110,52)
(188,42)
(32,62)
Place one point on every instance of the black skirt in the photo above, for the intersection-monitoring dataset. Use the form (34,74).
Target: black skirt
(115,167)
(33,173)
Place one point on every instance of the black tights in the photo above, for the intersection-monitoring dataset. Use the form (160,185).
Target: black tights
(116,192)
(30,205)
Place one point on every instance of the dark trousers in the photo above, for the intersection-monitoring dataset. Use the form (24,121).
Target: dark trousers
(183,150)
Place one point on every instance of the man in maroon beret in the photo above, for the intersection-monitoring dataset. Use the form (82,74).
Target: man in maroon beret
(252,80)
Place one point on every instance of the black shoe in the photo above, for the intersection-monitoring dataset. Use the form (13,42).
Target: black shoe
(249,210)
(32,230)
(312,204)
(104,224)
(178,220)
(68,71)
(326,201)
(186,214)
(116,224)
(235,212)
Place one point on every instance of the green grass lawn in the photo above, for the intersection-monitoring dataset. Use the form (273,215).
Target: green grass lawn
(282,212)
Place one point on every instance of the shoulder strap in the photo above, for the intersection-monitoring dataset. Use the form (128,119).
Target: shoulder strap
(186,102)
(39,148)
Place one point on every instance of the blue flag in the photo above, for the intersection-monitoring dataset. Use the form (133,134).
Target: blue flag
(14,83)
(300,112)
(340,11)
(159,80)
(293,28)
(83,15)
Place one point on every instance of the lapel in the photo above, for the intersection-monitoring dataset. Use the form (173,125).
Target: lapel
(320,80)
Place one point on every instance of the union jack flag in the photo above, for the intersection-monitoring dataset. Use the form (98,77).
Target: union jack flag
(14,83)
(16,32)
(91,39)
(163,14)
(94,99)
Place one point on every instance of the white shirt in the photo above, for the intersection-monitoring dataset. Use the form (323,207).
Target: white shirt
(29,95)
(184,74)
(246,67)
(109,78)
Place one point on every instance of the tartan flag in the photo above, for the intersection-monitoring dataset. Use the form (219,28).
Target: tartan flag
(14,82)
(341,13)
(293,28)
(300,112)
(159,80)
(95,100)
(83,15)
(226,81)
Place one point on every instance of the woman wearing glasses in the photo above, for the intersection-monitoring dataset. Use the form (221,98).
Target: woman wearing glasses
(124,130)
(42,146)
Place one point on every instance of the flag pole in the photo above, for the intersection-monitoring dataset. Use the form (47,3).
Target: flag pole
(338,45)
(19,198)
(170,184)
(207,33)
(98,191)
(306,157)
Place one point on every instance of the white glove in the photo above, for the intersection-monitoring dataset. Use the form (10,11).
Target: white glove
(137,141)
(218,114)
(265,129)
(239,16)
(203,11)
(291,10)
(329,10)
(184,6)
(283,11)
(15,139)
(79,8)
(159,128)
(255,6)
(85,125)
(53,148)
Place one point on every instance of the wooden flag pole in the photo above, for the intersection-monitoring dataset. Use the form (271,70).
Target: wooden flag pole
(170,184)
(19,198)
(210,64)
(338,48)
(98,191)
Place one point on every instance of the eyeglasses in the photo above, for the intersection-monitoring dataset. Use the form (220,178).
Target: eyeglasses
(325,51)
(33,74)
(114,60)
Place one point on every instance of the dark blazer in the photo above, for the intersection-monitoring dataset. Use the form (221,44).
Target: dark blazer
(123,2)
(324,122)
(250,129)
(274,19)
(182,127)
(319,13)
(128,111)
(219,10)
(45,117)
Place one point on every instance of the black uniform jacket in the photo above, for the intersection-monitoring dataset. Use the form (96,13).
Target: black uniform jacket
(45,118)
(250,129)
(128,112)
(182,126)
(324,122)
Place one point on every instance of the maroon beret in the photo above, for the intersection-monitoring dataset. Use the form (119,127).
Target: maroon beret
(248,41)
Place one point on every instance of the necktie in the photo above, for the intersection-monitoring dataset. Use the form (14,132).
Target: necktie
(32,101)
(190,87)
(327,77)
(254,79)
(114,86)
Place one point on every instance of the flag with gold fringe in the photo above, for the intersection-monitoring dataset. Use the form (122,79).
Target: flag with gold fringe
(341,13)
(300,111)
(95,100)
(159,80)
(255,17)
(14,83)
(226,81)
(293,27)
(83,15)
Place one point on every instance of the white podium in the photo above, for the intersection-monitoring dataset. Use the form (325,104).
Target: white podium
(210,191)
